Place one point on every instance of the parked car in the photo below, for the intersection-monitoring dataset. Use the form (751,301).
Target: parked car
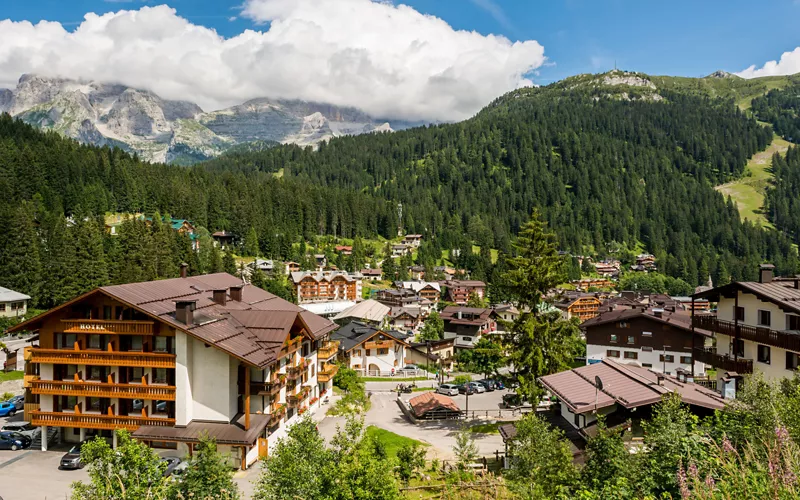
(72,459)
(477,387)
(171,462)
(23,428)
(18,402)
(7,409)
(466,389)
(448,389)
(488,384)
(499,385)
(14,441)
(411,367)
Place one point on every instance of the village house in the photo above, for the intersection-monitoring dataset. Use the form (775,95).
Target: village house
(292,267)
(266,266)
(608,268)
(402,297)
(417,272)
(757,328)
(621,392)
(413,240)
(344,249)
(580,305)
(370,350)
(13,304)
(368,311)
(174,359)
(223,239)
(372,274)
(459,291)
(586,283)
(405,319)
(426,290)
(400,249)
(325,287)
(436,352)
(467,324)
(662,340)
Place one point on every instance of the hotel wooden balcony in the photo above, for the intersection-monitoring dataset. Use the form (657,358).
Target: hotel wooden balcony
(293,372)
(327,372)
(291,347)
(269,388)
(777,338)
(295,400)
(28,379)
(103,390)
(725,362)
(97,421)
(28,409)
(102,358)
(379,344)
(105,327)
(276,413)
(328,350)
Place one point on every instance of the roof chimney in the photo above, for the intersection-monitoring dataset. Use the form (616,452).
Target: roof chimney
(184,269)
(660,377)
(765,273)
(236,292)
(658,313)
(184,311)
(459,314)
(221,296)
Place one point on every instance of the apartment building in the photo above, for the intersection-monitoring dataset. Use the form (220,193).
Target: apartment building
(326,286)
(173,359)
(370,350)
(424,289)
(467,324)
(582,306)
(659,339)
(459,291)
(757,328)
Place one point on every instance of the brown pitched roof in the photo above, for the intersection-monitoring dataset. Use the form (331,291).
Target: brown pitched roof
(679,319)
(785,297)
(428,401)
(630,386)
(253,329)
(450,315)
(224,433)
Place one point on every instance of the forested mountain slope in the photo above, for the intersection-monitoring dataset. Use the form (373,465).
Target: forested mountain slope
(611,161)
(781,108)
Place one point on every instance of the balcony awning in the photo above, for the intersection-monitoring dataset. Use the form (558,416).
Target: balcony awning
(232,433)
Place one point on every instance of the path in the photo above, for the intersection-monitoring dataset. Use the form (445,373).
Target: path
(748,192)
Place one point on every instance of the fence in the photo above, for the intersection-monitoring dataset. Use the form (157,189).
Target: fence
(396,373)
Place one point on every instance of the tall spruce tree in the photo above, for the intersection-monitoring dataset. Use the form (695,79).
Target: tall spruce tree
(21,263)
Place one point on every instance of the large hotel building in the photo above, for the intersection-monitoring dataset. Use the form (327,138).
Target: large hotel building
(175,359)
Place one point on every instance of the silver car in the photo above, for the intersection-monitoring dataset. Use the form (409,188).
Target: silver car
(448,389)
(477,387)
(23,428)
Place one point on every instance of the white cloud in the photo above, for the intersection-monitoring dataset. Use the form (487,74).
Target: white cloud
(391,61)
(789,64)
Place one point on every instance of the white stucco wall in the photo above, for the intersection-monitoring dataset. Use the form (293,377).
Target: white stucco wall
(211,383)
(751,305)
(184,408)
(384,362)
(598,352)
(586,418)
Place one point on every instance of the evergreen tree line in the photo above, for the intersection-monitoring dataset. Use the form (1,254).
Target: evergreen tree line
(782,199)
(781,108)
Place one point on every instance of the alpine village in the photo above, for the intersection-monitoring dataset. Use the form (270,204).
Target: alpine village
(564,296)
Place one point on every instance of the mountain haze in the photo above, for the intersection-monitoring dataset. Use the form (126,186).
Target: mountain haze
(173,131)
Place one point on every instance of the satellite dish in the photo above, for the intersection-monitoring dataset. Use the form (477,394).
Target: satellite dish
(598,382)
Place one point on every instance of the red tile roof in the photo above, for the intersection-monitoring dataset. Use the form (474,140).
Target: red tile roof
(429,401)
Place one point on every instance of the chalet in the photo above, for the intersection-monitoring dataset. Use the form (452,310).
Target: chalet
(698,305)
(662,340)
(174,359)
(344,249)
(437,352)
(581,306)
(587,283)
(326,286)
(608,268)
(321,261)
(292,267)
(448,272)
(372,274)
(223,239)
(459,291)
(401,249)
(266,266)
(13,304)
(467,324)
(416,272)
(757,328)
(405,319)
(412,240)
(370,350)
(625,392)
(425,290)
(402,297)
(645,262)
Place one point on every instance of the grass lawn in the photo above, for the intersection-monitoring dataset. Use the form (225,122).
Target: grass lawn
(748,192)
(390,440)
(486,428)
(13,375)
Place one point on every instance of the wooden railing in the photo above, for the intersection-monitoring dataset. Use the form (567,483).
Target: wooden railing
(102,326)
(295,371)
(761,335)
(709,356)
(103,390)
(102,358)
(328,349)
(27,379)
(327,372)
(291,347)
(295,400)
(97,421)
(379,344)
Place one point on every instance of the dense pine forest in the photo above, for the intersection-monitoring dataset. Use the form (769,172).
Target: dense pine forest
(781,108)
(613,170)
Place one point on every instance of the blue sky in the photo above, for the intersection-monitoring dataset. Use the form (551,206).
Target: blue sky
(680,37)
(437,60)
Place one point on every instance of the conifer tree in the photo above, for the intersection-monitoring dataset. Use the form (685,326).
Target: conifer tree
(21,264)
(229,264)
(251,248)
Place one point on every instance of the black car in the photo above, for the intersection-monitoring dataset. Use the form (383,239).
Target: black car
(171,462)
(466,389)
(498,384)
(72,459)
(14,441)
(489,384)
(513,400)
